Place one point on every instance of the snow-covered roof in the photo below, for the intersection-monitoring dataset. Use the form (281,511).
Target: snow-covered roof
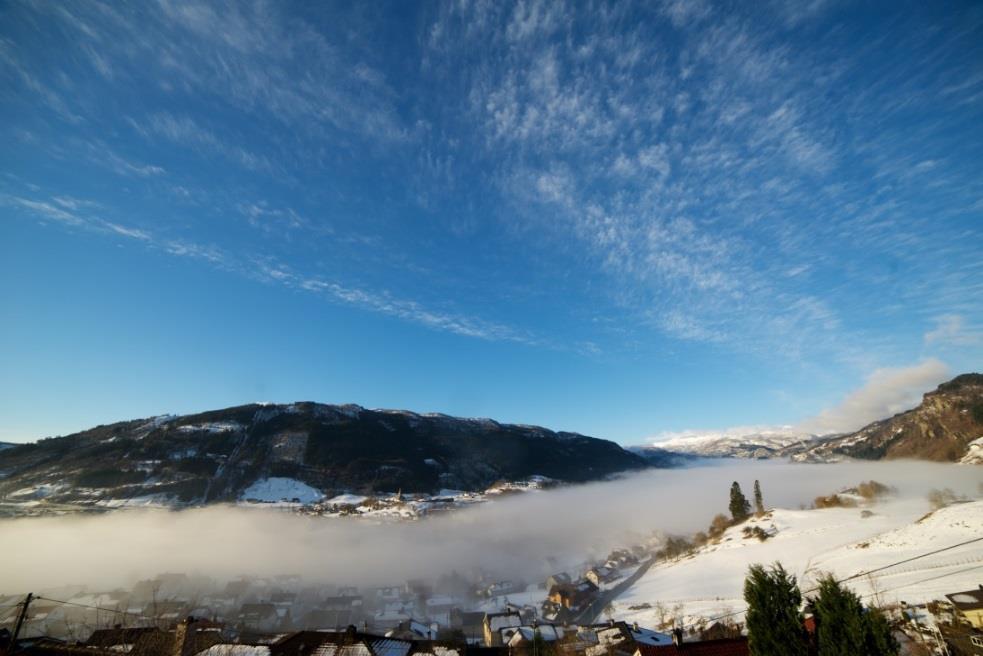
(969,600)
(500,621)
(515,635)
(236,650)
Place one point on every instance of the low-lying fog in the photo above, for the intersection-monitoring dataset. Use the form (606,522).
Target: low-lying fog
(526,535)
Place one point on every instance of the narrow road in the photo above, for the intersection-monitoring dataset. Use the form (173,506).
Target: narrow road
(593,610)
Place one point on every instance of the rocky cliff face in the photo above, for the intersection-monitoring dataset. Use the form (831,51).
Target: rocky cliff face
(942,428)
(214,456)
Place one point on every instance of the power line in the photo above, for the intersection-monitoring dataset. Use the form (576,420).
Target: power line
(908,560)
(931,578)
(102,608)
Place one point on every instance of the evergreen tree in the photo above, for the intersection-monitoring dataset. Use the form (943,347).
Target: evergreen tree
(878,637)
(739,507)
(759,502)
(844,626)
(774,623)
(839,619)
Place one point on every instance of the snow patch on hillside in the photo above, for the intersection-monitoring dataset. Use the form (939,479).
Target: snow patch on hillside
(212,427)
(275,489)
(974,453)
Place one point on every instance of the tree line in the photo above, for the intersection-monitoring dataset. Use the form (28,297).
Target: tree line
(843,625)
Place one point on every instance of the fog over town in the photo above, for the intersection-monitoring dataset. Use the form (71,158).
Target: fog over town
(523,536)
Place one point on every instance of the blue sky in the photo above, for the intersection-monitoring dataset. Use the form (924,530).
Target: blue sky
(621,219)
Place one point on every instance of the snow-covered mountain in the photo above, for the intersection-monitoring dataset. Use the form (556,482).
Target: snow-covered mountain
(741,442)
(321,450)
(946,426)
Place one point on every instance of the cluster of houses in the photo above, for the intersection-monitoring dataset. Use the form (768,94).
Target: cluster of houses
(506,634)
(951,627)
(452,604)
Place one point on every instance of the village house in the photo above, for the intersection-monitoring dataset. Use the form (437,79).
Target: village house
(262,617)
(623,639)
(574,595)
(500,588)
(390,615)
(471,624)
(601,575)
(520,639)
(414,630)
(558,579)
(723,647)
(970,605)
(495,622)
(389,593)
(621,558)
(189,636)
(439,607)
(167,613)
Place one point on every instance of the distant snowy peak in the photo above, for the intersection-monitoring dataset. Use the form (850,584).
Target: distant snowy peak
(739,442)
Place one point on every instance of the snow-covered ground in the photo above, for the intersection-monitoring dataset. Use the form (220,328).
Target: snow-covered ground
(275,489)
(841,541)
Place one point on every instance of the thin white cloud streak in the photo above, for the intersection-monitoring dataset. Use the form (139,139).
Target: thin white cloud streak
(257,269)
(183,130)
(887,392)
(525,537)
(951,329)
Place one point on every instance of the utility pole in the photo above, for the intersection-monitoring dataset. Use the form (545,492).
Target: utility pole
(20,622)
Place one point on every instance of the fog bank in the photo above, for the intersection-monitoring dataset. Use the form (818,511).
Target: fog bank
(526,535)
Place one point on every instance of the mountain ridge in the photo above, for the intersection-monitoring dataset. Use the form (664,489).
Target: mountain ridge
(214,456)
(941,428)
(946,426)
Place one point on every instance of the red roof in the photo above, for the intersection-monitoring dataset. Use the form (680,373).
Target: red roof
(724,647)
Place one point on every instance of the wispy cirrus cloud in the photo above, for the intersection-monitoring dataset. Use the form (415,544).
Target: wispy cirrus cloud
(183,130)
(700,173)
(951,329)
(260,268)
(696,178)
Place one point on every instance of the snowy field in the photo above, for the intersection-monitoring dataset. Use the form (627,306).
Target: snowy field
(841,541)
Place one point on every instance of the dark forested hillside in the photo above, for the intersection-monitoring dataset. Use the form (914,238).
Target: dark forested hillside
(213,456)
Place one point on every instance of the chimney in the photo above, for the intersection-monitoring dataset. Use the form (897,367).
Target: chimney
(634,627)
(350,634)
(677,637)
(184,637)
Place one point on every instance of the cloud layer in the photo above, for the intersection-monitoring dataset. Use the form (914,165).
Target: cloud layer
(886,393)
(524,537)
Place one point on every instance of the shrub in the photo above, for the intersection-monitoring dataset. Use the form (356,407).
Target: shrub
(872,489)
(833,501)
(676,545)
(719,524)
(756,532)
(941,498)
